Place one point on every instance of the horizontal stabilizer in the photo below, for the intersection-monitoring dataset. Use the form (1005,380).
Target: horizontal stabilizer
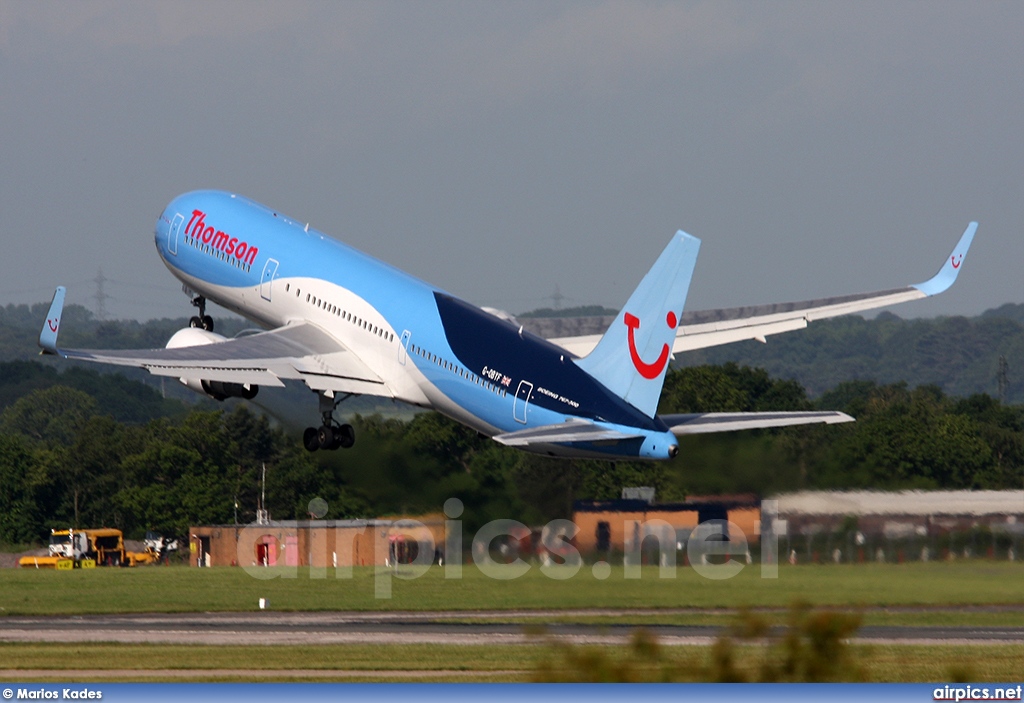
(702,423)
(565,432)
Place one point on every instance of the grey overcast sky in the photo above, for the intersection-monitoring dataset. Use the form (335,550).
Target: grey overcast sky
(499,149)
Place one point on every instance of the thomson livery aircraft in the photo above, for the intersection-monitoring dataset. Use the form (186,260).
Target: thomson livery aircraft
(344,324)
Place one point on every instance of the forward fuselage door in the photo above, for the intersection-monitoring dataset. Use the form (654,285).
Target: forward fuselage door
(403,347)
(522,401)
(269,271)
(172,234)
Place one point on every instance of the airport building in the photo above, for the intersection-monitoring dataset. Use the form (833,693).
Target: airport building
(820,526)
(903,513)
(623,525)
(316,543)
(853,526)
(811,526)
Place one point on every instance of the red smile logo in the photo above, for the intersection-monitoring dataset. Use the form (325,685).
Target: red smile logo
(956,261)
(52,324)
(648,371)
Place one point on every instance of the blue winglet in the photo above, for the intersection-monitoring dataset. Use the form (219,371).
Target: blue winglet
(48,335)
(948,273)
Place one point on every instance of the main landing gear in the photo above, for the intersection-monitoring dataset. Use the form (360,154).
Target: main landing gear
(202,319)
(331,434)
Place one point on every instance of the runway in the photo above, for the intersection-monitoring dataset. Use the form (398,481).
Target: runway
(450,627)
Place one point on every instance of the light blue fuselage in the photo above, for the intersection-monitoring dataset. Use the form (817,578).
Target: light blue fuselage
(429,348)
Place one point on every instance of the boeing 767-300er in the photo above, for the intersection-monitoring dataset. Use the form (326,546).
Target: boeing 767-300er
(346,324)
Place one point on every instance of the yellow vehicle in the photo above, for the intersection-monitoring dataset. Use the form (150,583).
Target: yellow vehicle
(72,549)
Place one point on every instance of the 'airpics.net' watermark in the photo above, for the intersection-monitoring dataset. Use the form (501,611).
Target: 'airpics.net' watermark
(408,549)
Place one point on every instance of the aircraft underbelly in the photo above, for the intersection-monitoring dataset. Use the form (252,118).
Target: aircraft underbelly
(448,407)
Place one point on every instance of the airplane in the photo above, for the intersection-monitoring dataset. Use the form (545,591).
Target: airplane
(346,324)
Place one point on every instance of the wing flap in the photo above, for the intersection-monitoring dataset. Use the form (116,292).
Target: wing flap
(259,377)
(728,325)
(709,328)
(703,423)
(300,351)
(689,341)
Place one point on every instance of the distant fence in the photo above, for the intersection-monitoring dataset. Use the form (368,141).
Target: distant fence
(851,547)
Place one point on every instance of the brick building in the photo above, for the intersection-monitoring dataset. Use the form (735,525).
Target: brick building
(620,525)
(315,543)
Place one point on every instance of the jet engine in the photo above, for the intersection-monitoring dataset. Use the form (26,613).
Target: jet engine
(218,390)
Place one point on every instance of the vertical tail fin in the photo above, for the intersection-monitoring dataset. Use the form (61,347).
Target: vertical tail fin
(633,355)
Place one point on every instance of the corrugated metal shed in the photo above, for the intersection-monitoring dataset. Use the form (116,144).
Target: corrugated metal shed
(977,503)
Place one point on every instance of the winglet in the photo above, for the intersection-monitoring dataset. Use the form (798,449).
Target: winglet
(948,273)
(48,335)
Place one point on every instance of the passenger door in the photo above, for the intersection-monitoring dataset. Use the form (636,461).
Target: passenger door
(522,400)
(269,271)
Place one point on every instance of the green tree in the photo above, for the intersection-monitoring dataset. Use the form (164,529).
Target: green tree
(439,437)
(54,414)
(701,389)
(23,486)
(910,439)
(158,484)
(90,474)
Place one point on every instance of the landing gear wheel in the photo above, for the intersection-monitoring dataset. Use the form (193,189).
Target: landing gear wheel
(331,434)
(310,440)
(207,323)
(327,437)
(195,321)
(345,436)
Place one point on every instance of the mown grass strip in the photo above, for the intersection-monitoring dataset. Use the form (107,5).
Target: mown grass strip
(882,663)
(924,618)
(183,589)
(413,657)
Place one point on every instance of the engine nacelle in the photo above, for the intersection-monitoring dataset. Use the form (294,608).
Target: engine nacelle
(193,337)
(218,390)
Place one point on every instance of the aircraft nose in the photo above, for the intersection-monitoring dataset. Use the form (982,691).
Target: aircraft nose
(160,229)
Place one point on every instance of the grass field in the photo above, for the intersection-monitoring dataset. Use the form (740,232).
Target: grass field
(181,589)
(959,593)
(106,662)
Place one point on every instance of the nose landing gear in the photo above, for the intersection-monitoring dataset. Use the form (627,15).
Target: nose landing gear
(331,434)
(201,320)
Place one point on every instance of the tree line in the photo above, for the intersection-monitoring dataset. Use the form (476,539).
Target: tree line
(86,449)
(961,355)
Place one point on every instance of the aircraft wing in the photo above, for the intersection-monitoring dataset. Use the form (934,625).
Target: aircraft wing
(710,328)
(702,423)
(300,351)
(562,433)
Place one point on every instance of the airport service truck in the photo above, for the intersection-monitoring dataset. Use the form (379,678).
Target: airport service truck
(85,549)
